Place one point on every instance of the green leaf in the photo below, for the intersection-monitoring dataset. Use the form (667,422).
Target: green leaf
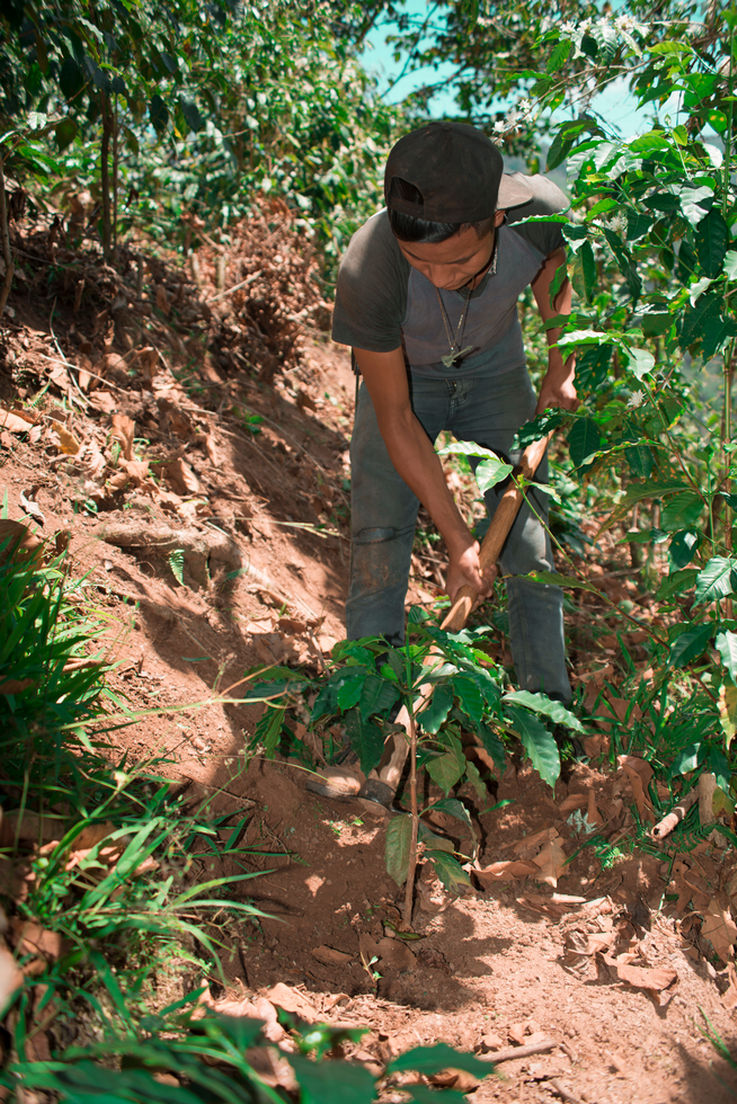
(689,644)
(715,580)
(546,707)
(447,769)
(435,1059)
(469,697)
(350,687)
(396,848)
(366,737)
(269,728)
(71,78)
(423,1094)
(490,472)
(436,712)
(448,869)
(584,441)
(682,511)
(65,132)
(191,114)
(334,1082)
(640,361)
(705,316)
(537,742)
(712,236)
(158,113)
(377,696)
(683,547)
(726,645)
(453,807)
(730,264)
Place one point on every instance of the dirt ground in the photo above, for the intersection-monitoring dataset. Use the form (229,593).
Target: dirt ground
(190,448)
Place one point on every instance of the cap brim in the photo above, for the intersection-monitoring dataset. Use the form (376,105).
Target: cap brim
(513,191)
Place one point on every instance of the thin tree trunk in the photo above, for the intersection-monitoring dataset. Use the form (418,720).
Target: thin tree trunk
(107,130)
(5,239)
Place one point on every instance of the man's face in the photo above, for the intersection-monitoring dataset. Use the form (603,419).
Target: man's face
(457,262)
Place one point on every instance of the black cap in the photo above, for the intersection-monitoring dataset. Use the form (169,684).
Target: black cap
(457,172)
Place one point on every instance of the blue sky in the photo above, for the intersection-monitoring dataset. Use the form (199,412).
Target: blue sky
(615,104)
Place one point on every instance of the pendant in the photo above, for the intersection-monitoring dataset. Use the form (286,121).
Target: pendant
(454,358)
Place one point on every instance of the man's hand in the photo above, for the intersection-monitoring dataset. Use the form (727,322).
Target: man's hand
(557,390)
(465,570)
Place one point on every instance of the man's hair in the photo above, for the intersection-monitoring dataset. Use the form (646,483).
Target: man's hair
(410,228)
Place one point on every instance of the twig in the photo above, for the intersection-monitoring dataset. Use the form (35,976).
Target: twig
(670,822)
(563,1092)
(412,863)
(508,1054)
(236,287)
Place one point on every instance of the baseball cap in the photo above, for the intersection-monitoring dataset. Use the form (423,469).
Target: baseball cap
(457,171)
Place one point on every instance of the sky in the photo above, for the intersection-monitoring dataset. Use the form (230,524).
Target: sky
(614,104)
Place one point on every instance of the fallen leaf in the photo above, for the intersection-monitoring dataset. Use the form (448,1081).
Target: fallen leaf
(506,870)
(638,774)
(395,954)
(653,978)
(17,421)
(551,861)
(328,956)
(124,429)
(719,928)
(11,977)
(180,475)
(31,507)
(291,1000)
(68,443)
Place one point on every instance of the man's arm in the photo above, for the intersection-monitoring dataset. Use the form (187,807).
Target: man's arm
(414,458)
(558,387)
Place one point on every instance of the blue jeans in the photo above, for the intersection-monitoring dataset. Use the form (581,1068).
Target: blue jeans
(384,515)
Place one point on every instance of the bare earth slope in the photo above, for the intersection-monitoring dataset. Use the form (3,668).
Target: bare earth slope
(188,443)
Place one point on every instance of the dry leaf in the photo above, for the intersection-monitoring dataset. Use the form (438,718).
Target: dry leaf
(719,928)
(17,421)
(291,1000)
(181,477)
(18,542)
(551,860)
(11,977)
(68,443)
(653,978)
(638,774)
(124,429)
(506,870)
(328,956)
(395,954)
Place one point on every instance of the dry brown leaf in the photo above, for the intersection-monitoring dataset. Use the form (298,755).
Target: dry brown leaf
(68,443)
(17,421)
(292,1000)
(572,802)
(528,845)
(17,542)
(395,954)
(551,861)
(653,978)
(638,774)
(719,928)
(124,429)
(11,976)
(729,998)
(181,477)
(328,956)
(104,401)
(506,870)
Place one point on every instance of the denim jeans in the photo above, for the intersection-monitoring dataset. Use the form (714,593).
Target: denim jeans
(384,514)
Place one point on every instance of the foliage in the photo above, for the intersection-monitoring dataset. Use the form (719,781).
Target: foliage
(50,687)
(450,687)
(175,119)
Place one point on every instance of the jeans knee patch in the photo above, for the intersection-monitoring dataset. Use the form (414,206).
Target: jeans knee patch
(375,536)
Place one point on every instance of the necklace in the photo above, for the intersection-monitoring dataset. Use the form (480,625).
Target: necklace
(453,358)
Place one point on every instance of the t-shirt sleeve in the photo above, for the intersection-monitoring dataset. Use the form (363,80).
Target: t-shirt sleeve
(547,199)
(371,292)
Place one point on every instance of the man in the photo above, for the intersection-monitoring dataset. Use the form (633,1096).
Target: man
(427,298)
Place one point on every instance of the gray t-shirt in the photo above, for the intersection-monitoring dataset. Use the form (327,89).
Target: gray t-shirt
(383,303)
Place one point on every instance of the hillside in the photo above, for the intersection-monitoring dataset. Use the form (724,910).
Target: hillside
(182,432)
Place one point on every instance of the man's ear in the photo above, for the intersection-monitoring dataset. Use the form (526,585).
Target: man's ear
(499,217)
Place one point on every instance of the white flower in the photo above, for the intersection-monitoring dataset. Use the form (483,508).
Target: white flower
(636,400)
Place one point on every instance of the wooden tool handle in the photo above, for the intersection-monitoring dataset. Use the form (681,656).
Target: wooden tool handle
(498,531)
